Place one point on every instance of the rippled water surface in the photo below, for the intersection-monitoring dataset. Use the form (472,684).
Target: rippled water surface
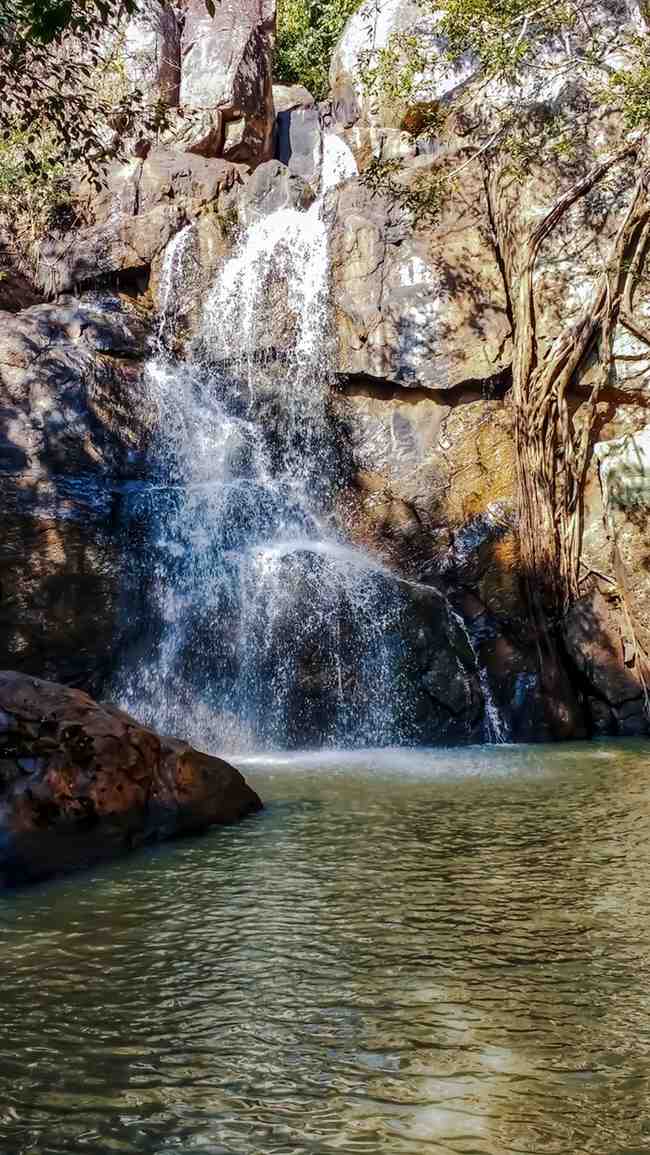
(429,952)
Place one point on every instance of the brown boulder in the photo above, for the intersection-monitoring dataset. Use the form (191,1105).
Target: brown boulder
(81,782)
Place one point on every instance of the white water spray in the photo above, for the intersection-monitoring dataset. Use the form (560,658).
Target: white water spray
(266,629)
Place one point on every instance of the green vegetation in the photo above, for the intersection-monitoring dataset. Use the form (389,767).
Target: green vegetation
(67,107)
(307,32)
(33,197)
(54,55)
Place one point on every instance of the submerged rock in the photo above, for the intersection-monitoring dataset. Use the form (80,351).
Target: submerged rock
(81,782)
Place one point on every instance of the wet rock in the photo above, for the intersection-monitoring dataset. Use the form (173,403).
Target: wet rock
(298,134)
(357,633)
(75,426)
(82,782)
(600,642)
(271,187)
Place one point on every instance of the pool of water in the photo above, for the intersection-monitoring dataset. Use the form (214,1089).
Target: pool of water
(425,952)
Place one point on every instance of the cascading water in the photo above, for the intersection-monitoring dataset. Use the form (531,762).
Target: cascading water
(264,629)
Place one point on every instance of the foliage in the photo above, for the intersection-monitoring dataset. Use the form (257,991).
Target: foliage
(43,21)
(503,34)
(629,88)
(307,32)
(57,59)
(423,196)
(504,37)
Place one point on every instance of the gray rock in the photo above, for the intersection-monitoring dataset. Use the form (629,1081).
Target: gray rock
(289,96)
(121,244)
(271,187)
(373,28)
(152,52)
(188,181)
(226,67)
(418,308)
(299,141)
(145,203)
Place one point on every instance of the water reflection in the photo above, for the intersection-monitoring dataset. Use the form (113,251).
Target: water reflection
(450,956)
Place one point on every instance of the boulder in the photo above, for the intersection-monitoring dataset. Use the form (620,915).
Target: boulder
(434,491)
(286,97)
(298,133)
(82,782)
(357,632)
(189,181)
(226,63)
(272,187)
(417,307)
(75,424)
(151,52)
(377,27)
(145,203)
(609,664)
(121,245)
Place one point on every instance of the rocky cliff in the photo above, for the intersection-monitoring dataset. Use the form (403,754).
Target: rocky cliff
(422,313)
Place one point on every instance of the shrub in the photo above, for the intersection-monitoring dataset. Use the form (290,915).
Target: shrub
(306,37)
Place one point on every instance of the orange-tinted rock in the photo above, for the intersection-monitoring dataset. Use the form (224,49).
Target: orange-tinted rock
(81,782)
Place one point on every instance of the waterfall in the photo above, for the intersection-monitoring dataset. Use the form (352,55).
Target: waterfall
(172,271)
(495,725)
(263,628)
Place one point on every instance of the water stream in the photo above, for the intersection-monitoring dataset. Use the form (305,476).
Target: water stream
(264,627)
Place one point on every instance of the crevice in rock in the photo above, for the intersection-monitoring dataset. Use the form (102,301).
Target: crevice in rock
(473,389)
(132,282)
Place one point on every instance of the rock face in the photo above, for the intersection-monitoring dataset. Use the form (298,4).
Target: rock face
(226,69)
(82,782)
(421,308)
(298,134)
(416,311)
(376,27)
(152,52)
(211,72)
(75,425)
